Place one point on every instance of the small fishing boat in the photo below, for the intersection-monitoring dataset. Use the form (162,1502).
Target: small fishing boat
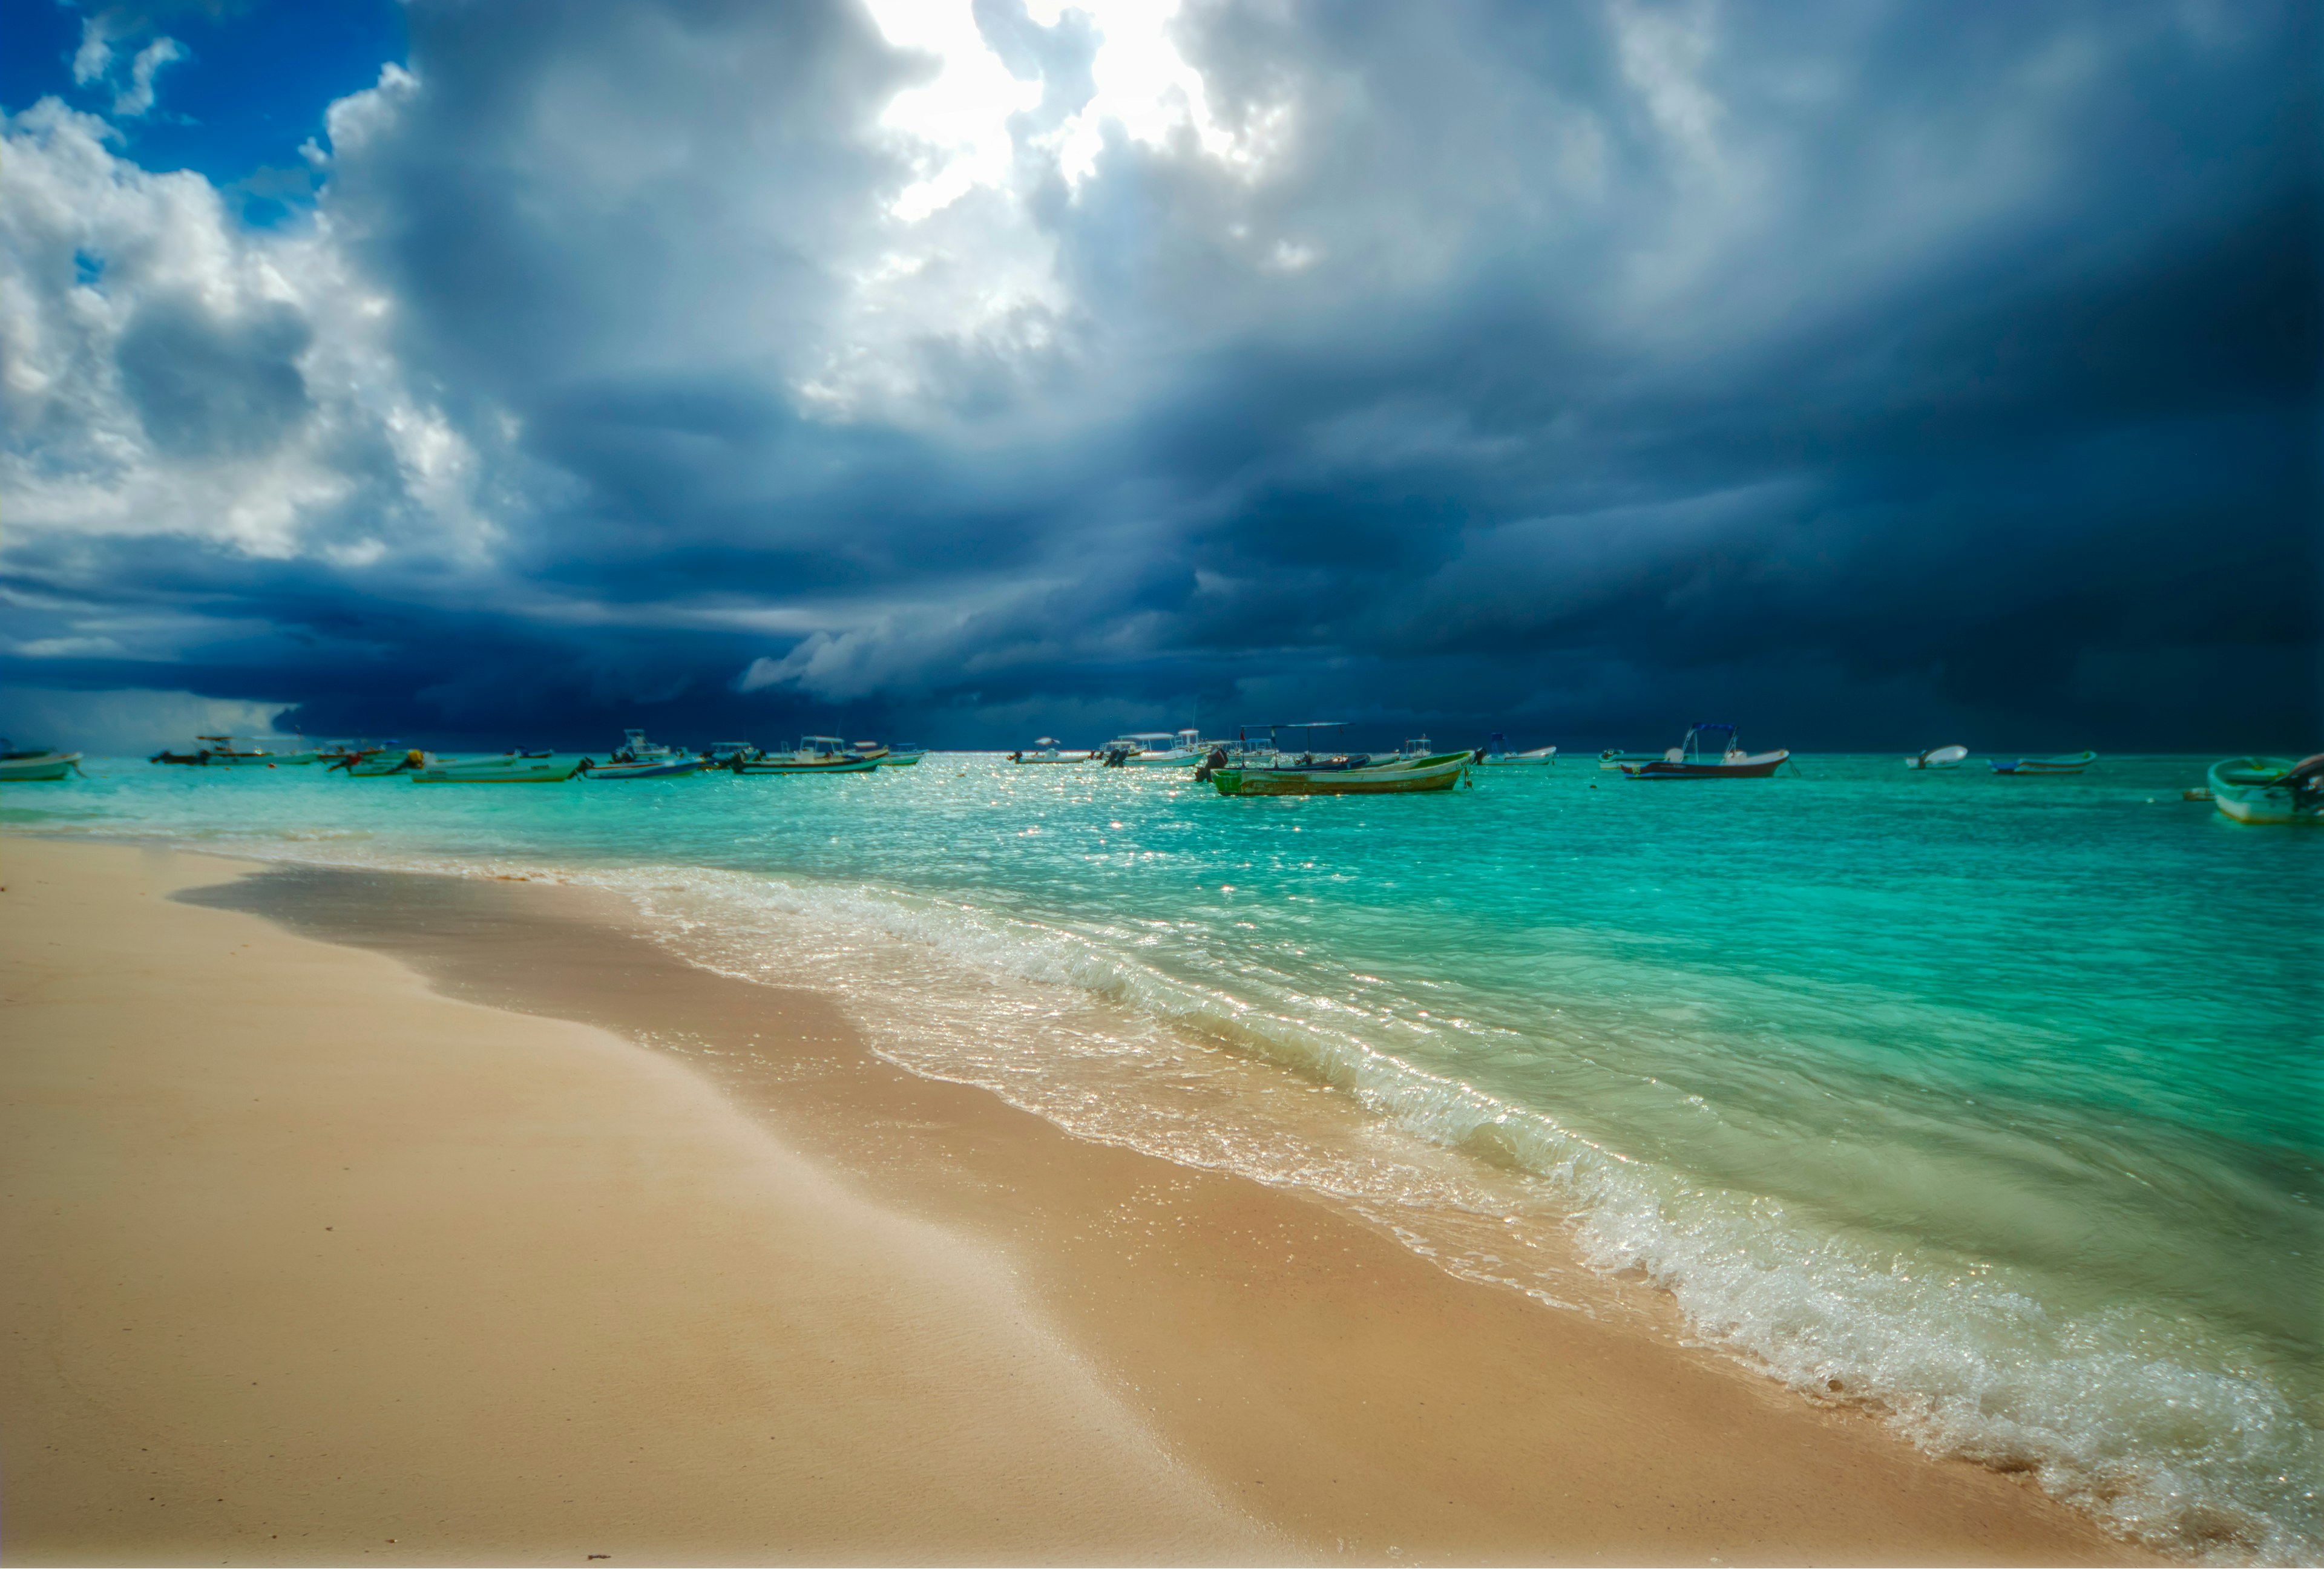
(508,768)
(241,752)
(904,756)
(34,764)
(1708,751)
(1613,759)
(2073,763)
(1496,754)
(1045,750)
(1939,757)
(638,758)
(874,750)
(813,754)
(384,763)
(1153,748)
(2269,789)
(1296,767)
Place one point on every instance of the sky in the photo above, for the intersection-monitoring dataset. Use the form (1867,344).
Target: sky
(1869,375)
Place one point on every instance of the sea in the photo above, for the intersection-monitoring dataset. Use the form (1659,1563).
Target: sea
(1989,1104)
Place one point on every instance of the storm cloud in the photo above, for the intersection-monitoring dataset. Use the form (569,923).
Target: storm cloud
(1859,373)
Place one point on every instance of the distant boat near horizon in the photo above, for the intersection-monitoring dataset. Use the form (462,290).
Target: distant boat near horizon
(2073,762)
(1939,757)
(638,758)
(1692,758)
(504,768)
(241,752)
(1045,750)
(1299,770)
(813,754)
(1496,754)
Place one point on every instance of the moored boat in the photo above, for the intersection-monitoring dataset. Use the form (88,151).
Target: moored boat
(1939,757)
(241,752)
(2269,789)
(1708,751)
(874,750)
(383,764)
(1153,748)
(2074,762)
(1299,769)
(34,764)
(638,758)
(1047,750)
(1613,759)
(1496,754)
(507,768)
(813,754)
(904,756)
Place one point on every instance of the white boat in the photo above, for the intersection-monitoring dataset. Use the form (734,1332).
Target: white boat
(874,750)
(1496,754)
(638,758)
(1613,759)
(507,768)
(904,756)
(1154,748)
(813,754)
(1939,757)
(34,764)
(1045,750)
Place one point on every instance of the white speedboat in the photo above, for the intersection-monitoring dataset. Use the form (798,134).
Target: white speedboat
(813,754)
(1154,748)
(506,768)
(1045,750)
(1939,757)
(1496,754)
(34,765)
(638,758)
(904,756)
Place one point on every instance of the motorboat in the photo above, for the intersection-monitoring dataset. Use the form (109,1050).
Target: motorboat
(34,764)
(1939,757)
(1708,751)
(506,768)
(813,754)
(241,752)
(1045,750)
(2072,763)
(1496,754)
(874,750)
(904,756)
(1614,759)
(1292,763)
(2268,789)
(638,758)
(340,752)
(384,763)
(1154,748)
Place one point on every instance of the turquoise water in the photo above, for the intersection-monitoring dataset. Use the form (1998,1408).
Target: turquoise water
(1990,1103)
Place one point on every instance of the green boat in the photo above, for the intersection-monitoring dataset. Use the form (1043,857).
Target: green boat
(2269,789)
(1297,767)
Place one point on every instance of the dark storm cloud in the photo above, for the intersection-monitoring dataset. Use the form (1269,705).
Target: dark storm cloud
(1874,371)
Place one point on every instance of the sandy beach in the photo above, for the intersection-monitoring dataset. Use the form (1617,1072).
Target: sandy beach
(375,1217)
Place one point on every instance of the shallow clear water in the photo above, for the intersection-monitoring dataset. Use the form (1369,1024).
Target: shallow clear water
(1991,1102)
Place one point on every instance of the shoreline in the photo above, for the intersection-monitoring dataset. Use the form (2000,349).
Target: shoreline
(1327,1390)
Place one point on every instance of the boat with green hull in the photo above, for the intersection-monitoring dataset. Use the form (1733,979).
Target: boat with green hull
(1299,768)
(507,768)
(2272,791)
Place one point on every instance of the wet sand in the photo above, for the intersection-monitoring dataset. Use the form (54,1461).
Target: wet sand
(751,1294)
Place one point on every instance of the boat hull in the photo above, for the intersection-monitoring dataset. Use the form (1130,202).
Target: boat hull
(2244,790)
(276,760)
(614,770)
(853,765)
(901,758)
(1763,766)
(1417,778)
(1542,758)
(54,765)
(2046,764)
(500,771)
